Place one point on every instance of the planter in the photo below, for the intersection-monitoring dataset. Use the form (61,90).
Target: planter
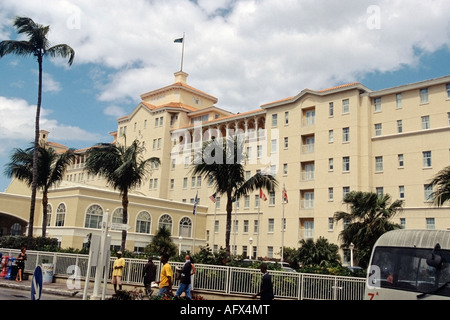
(47,272)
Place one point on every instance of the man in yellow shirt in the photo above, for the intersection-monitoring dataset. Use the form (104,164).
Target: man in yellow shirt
(166,277)
(119,265)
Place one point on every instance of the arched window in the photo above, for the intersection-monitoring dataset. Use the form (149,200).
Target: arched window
(60,215)
(117,216)
(94,215)
(185,228)
(16,229)
(49,214)
(143,222)
(166,222)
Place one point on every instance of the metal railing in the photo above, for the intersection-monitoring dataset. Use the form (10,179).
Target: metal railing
(212,278)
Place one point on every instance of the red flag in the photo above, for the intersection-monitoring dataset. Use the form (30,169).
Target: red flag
(285,197)
(262,195)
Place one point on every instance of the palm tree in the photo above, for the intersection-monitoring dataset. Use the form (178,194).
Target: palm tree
(320,252)
(123,167)
(51,169)
(370,216)
(441,185)
(221,161)
(38,46)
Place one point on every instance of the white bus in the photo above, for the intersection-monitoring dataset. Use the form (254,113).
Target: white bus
(410,265)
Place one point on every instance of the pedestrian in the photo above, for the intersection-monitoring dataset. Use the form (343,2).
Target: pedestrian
(192,274)
(266,288)
(149,274)
(185,281)
(20,261)
(166,276)
(118,266)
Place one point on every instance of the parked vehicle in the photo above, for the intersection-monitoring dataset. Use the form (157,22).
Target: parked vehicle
(410,265)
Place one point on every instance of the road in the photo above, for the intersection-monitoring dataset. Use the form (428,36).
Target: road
(19,294)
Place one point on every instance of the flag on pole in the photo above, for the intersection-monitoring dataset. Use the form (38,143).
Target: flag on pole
(195,203)
(262,195)
(213,197)
(179,40)
(285,197)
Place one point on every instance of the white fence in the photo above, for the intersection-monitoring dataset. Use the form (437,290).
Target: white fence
(212,278)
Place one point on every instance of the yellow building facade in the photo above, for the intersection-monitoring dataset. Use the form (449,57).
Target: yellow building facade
(318,144)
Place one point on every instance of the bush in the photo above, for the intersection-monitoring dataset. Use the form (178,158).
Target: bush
(37,243)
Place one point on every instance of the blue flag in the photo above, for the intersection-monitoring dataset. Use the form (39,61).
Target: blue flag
(195,203)
(179,40)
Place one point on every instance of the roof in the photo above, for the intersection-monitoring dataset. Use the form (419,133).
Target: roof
(339,88)
(420,238)
(178,85)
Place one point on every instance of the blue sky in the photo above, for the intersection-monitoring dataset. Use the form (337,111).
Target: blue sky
(244,52)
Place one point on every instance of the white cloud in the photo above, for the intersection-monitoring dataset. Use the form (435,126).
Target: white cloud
(114,111)
(17,125)
(244,52)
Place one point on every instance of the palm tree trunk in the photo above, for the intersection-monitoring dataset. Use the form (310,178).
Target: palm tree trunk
(44,213)
(35,154)
(125,218)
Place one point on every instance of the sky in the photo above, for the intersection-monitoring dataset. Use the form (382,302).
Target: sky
(244,52)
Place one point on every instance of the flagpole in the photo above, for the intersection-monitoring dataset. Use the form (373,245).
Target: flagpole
(259,228)
(182,54)
(282,226)
(214,227)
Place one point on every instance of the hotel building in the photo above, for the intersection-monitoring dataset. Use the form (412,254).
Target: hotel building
(319,145)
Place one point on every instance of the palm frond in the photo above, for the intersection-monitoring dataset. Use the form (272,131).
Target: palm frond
(63,51)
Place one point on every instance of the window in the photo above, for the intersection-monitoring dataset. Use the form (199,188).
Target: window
(401,161)
(425,122)
(274,146)
(330,136)
(346,164)
(271,225)
(286,118)
(271,198)
(330,164)
(94,215)
(426,159)
(247,201)
(447,87)
(345,106)
(428,192)
(331,109)
(401,192)
(218,202)
(402,223)
(216,226)
(60,215)
(286,142)
(399,100)
(378,129)
(345,191)
(49,214)
(379,191)
(257,201)
(185,227)
(259,151)
(285,168)
(430,223)
(117,216)
(330,194)
(199,181)
(172,184)
(399,126)
(274,120)
(309,229)
(143,222)
(377,104)
(185,181)
(378,164)
(255,226)
(346,134)
(309,200)
(165,222)
(330,224)
(246,226)
(423,96)
(310,118)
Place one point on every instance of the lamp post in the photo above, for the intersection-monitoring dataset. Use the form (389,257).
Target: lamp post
(250,248)
(351,247)
(179,245)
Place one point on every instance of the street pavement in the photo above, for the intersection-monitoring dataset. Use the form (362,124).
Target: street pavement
(58,287)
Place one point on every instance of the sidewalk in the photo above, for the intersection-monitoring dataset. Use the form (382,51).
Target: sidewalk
(58,287)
